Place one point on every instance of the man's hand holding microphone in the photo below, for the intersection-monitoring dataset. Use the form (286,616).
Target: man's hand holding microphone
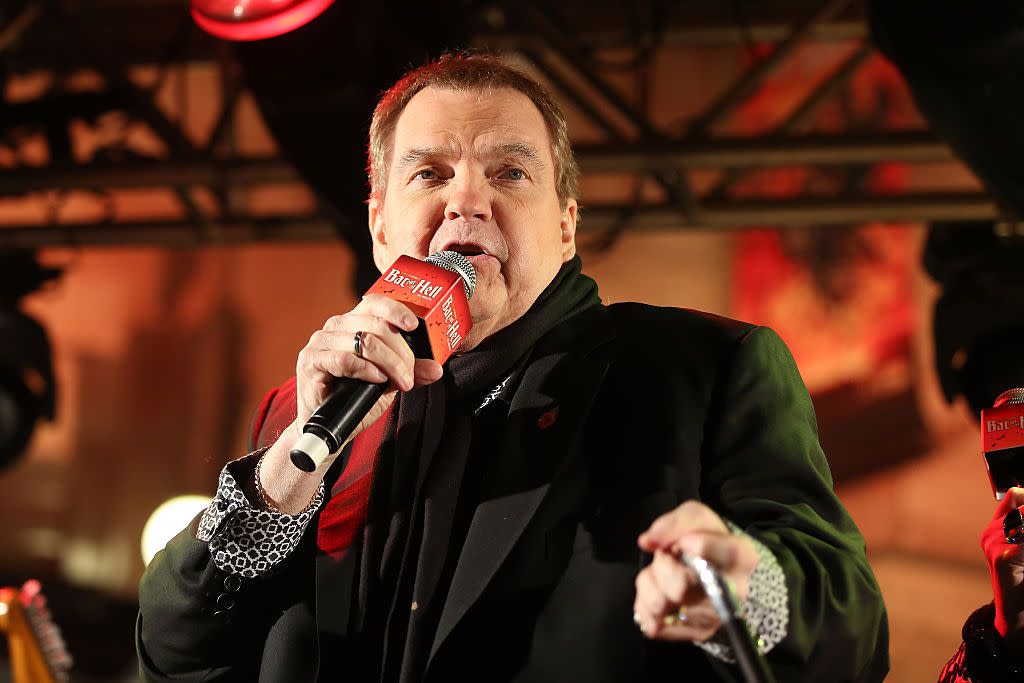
(363,352)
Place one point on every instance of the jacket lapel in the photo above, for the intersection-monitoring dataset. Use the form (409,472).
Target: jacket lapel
(547,411)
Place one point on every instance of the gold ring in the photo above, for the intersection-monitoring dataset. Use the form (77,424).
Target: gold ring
(676,618)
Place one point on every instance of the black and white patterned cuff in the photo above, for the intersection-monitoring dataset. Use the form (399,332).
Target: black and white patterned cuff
(766,609)
(245,539)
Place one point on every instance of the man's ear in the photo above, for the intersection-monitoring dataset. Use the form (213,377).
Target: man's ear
(375,222)
(568,227)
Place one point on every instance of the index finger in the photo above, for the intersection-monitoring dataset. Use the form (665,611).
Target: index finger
(395,312)
(994,540)
(689,517)
(1014,498)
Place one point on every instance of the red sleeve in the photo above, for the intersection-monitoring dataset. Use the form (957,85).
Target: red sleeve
(275,412)
(955,670)
(259,418)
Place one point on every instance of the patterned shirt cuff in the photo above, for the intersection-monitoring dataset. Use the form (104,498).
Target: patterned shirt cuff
(245,539)
(765,610)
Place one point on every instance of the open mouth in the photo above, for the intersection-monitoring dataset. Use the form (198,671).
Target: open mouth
(466,250)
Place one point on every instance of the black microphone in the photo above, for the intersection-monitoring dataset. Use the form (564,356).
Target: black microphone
(437,291)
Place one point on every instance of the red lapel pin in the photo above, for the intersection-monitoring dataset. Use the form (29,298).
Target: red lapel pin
(548,418)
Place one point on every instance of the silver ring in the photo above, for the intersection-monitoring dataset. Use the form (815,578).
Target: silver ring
(357,344)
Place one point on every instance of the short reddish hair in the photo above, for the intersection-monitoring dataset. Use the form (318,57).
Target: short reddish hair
(468,72)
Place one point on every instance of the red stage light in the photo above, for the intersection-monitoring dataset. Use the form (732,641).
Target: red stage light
(255,19)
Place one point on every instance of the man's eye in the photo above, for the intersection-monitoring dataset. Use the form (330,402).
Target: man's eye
(426,174)
(515,174)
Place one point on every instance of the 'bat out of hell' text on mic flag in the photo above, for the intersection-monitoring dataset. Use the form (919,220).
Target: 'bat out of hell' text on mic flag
(1002,441)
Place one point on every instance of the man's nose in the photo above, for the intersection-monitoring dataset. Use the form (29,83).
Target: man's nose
(468,200)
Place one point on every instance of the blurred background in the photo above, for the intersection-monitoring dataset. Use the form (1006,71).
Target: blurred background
(180,208)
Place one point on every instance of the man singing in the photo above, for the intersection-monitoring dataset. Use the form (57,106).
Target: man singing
(521,513)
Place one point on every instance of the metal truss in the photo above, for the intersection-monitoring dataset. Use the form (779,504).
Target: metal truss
(633,144)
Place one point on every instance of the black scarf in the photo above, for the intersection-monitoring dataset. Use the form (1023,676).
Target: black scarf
(417,480)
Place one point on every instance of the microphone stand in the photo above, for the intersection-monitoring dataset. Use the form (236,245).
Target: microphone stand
(751,663)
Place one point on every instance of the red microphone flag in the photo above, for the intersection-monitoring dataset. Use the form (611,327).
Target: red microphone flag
(1002,442)
(436,295)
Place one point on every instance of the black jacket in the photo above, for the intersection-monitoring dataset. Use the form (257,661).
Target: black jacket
(655,406)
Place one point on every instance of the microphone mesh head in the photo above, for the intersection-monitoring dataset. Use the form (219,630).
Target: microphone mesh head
(458,264)
(1009,396)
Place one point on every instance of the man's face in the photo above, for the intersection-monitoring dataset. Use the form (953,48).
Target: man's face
(473,172)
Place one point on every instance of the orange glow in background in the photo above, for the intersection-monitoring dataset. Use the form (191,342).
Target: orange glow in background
(162,353)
